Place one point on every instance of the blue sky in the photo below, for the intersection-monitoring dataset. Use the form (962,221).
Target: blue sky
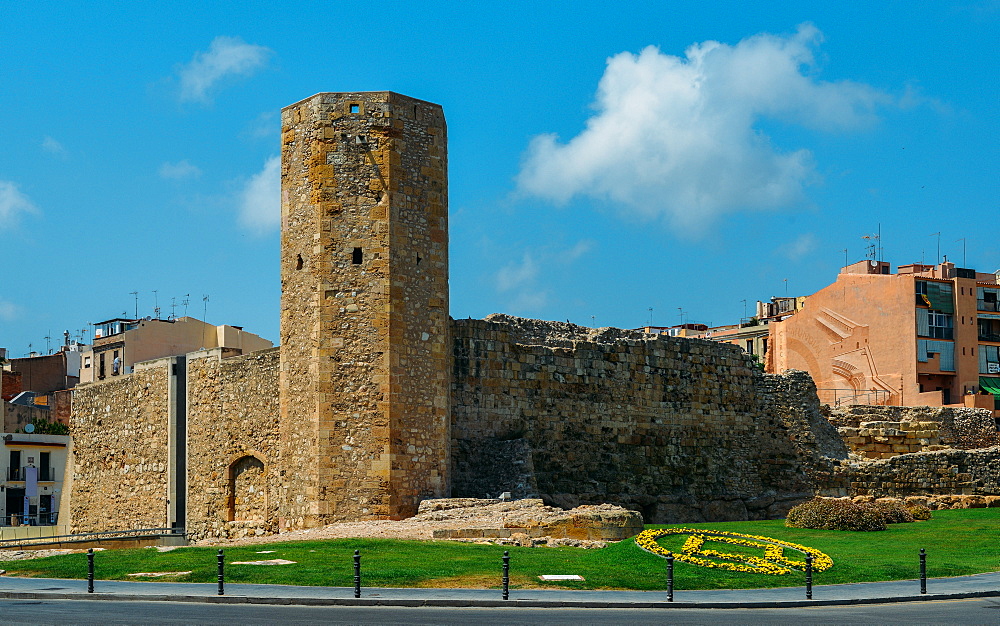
(605,158)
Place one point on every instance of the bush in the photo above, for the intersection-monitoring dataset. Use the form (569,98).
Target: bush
(918,511)
(894,511)
(836,514)
(846,514)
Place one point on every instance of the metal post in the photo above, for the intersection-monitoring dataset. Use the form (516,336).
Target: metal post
(809,577)
(222,572)
(357,573)
(506,575)
(670,576)
(90,570)
(923,571)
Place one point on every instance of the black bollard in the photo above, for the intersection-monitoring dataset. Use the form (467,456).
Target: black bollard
(923,571)
(670,576)
(506,575)
(90,570)
(357,573)
(222,572)
(809,577)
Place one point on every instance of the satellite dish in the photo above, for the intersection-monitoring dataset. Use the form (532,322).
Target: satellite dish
(30,428)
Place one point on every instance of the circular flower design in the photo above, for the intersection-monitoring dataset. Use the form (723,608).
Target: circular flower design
(773,562)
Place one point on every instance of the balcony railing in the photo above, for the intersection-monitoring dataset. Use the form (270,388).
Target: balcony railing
(989,336)
(847,397)
(42,519)
(45,474)
(983,305)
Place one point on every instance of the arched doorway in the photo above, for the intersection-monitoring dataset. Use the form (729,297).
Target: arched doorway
(247,489)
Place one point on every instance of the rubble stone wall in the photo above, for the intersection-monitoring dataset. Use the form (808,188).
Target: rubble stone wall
(959,427)
(680,429)
(120,451)
(236,481)
(946,472)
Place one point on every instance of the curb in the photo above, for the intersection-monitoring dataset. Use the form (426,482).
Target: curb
(443,602)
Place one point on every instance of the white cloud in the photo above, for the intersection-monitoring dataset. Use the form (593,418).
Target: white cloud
(13,203)
(180,170)
(519,281)
(675,137)
(798,248)
(260,200)
(516,274)
(51,145)
(225,57)
(8,311)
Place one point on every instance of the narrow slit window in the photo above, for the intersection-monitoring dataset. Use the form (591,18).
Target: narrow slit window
(298,262)
(356,256)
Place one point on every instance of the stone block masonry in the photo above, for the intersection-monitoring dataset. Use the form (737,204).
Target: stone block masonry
(683,430)
(364,316)
(121,459)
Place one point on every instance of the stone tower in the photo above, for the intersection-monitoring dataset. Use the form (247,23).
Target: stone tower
(364,378)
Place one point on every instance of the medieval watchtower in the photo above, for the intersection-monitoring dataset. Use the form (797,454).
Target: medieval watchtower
(364,308)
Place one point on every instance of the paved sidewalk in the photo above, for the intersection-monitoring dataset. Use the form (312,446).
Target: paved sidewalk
(980,585)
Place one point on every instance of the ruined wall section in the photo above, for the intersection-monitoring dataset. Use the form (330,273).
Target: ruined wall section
(946,472)
(120,451)
(958,427)
(679,429)
(233,417)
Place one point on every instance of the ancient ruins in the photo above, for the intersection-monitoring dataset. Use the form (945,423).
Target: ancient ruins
(377,401)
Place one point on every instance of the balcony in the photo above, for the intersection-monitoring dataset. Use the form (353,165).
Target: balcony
(986,336)
(983,305)
(45,474)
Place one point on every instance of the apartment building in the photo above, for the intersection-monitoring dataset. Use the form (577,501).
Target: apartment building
(120,343)
(923,335)
(32,467)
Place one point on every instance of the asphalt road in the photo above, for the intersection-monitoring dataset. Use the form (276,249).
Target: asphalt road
(972,611)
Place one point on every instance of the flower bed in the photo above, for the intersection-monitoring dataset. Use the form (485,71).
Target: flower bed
(773,561)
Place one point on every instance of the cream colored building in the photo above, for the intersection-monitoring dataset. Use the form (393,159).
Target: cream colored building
(121,343)
(31,482)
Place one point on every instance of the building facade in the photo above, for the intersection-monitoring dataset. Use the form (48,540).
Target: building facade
(924,335)
(121,343)
(31,478)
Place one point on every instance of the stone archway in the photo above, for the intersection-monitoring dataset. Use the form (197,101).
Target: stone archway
(247,489)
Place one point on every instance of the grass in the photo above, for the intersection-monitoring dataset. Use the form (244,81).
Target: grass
(958,542)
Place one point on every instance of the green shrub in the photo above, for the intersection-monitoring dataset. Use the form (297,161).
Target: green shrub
(893,511)
(919,511)
(836,514)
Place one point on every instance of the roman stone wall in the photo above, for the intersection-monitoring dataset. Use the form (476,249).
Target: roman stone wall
(958,427)
(680,429)
(883,440)
(120,451)
(946,472)
(236,481)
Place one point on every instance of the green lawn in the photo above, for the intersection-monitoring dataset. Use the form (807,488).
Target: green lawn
(958,542)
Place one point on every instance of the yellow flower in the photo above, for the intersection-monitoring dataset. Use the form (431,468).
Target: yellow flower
(774,561)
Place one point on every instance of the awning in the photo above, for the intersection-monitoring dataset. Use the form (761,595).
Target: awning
(990,384)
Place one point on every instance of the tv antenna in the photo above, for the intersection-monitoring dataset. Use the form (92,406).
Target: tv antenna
(173,308)
(938,235)
(185,302)
(48,343)
(136,294)
(156,305)
(651,317)
(204,300)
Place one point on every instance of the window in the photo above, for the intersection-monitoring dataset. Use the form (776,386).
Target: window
(86,361)
(939,325)
(356,256)
(355,108)
(989,360)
